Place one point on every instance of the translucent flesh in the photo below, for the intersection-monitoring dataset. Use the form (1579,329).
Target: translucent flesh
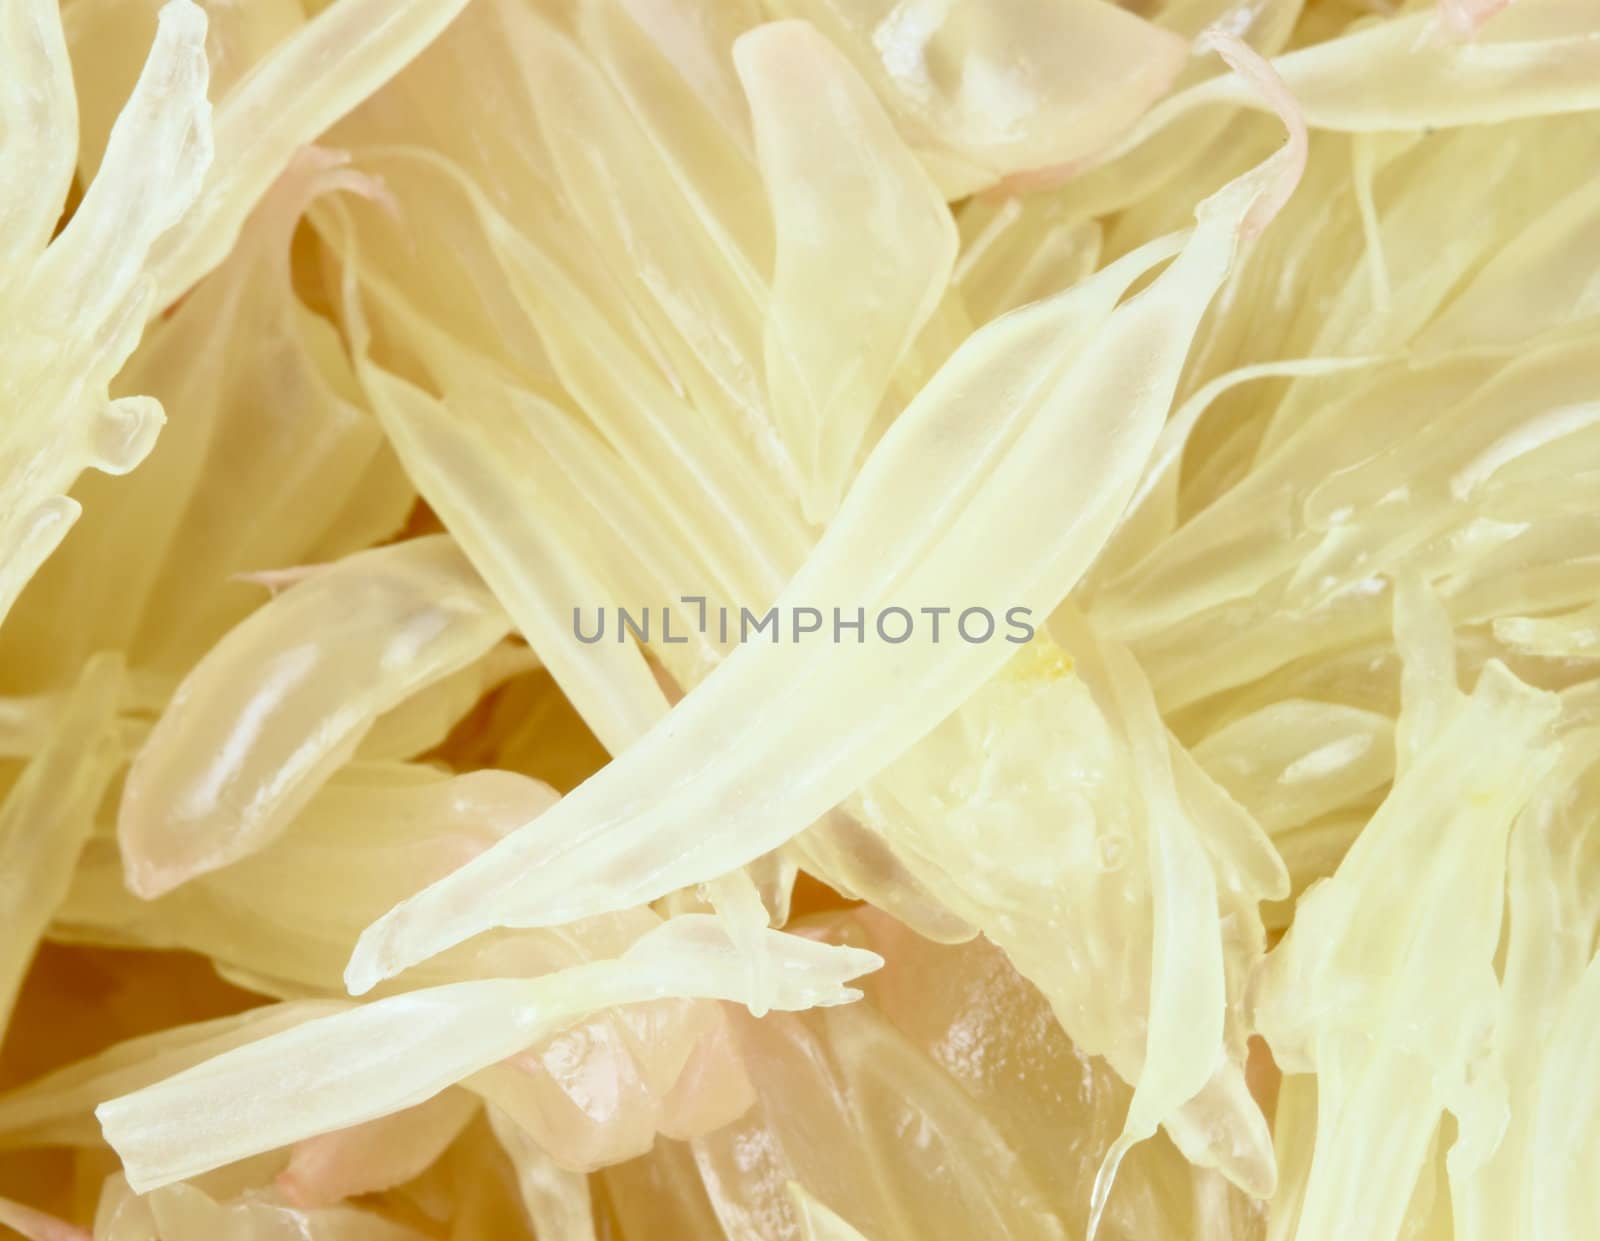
(355,353)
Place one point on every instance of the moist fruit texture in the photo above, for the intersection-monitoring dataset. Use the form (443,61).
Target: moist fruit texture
(799,620)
